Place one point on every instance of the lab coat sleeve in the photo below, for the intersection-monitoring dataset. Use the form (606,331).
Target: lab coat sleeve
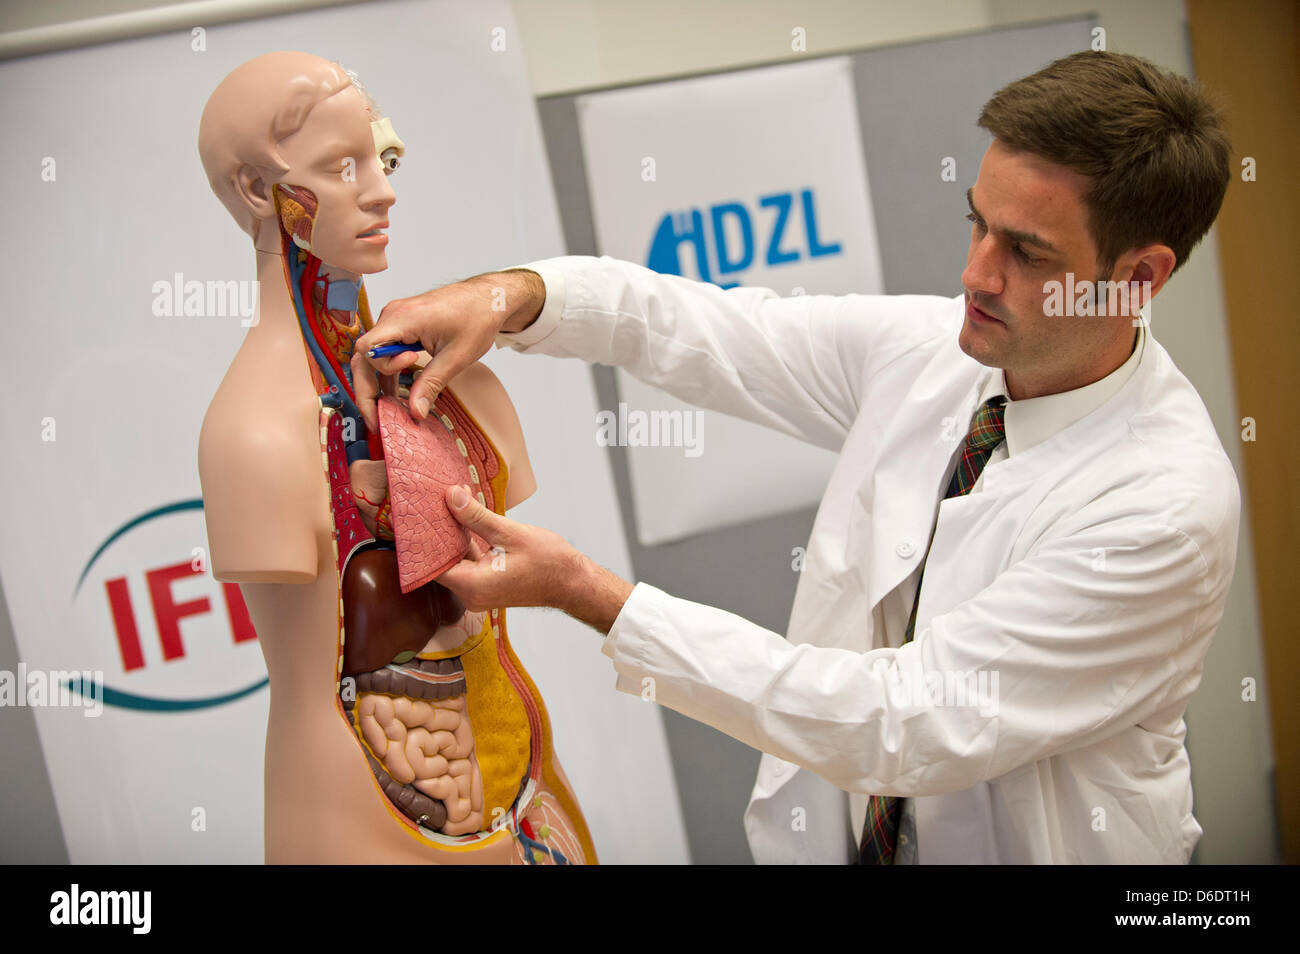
(792,364)
(1072,646)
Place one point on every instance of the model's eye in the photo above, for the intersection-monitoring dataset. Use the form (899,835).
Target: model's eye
(390,160)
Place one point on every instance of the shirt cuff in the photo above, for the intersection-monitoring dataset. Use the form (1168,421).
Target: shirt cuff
(552,310)
(631,628)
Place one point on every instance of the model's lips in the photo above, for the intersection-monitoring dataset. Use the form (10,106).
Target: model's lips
(376,232)
(980,317)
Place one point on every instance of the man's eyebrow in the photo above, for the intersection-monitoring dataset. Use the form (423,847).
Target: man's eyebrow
(1026,238)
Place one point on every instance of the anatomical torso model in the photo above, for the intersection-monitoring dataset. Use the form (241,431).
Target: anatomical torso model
(402,727)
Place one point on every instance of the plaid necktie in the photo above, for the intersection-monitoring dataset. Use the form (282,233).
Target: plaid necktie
(880,830)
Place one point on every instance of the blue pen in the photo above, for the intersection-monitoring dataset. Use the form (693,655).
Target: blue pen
(383,351)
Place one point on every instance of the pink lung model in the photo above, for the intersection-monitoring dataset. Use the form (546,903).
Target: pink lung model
(422,461)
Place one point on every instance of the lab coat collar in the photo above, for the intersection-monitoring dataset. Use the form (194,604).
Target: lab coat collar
(1033,420)
(943,394)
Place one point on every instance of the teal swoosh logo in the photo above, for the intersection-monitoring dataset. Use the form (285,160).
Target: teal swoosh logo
(127,700)
(163,511)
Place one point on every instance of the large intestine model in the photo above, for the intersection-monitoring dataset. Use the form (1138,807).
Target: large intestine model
(402,727)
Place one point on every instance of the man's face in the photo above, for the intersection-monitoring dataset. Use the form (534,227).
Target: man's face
(1029,226)
(333,156)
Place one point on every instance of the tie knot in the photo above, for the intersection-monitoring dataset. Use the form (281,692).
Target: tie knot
(986,428)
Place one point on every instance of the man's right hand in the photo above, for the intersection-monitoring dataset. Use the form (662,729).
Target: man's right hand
(456,324)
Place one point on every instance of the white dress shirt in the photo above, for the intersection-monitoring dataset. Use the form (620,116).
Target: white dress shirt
(1084,575)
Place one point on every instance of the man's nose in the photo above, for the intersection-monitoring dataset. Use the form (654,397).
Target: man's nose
(983,273)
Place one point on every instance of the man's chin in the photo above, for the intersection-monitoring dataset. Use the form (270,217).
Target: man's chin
(977,346)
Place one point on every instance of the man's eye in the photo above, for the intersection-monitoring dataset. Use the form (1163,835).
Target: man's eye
(390,160)
(1016,249)
(1020,253)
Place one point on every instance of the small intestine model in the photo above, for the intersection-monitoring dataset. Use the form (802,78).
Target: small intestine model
(402,727)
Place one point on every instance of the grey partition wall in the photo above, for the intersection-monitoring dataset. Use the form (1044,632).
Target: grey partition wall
(917,105)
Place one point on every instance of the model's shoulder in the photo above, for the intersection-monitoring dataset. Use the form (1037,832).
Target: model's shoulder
(486,399)
(478,378)
(240,421)
(267,434)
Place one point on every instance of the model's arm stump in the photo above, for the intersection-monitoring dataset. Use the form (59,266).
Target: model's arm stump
(255,488)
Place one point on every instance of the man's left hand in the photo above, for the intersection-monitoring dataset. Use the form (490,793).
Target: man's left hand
(529,566)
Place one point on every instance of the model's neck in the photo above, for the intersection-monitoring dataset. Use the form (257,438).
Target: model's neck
(271,274)
(333,303)
(277,316)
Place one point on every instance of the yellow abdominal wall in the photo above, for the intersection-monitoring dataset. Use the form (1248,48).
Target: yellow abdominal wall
(499,721)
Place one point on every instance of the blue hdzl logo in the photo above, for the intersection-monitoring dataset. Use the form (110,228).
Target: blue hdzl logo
(715,228)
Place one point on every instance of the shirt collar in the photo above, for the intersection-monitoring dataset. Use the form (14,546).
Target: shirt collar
(1033,420)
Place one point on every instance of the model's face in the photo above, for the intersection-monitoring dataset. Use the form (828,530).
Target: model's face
(336,157)
(1029,227)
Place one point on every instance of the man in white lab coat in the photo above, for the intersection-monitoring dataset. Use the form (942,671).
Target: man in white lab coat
(1047,471)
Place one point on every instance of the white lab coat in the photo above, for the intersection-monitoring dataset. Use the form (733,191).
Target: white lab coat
(1084,582)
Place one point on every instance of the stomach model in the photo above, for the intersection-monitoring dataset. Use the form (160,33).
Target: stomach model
(454,731)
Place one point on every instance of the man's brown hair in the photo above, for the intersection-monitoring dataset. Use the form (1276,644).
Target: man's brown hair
(1151,141)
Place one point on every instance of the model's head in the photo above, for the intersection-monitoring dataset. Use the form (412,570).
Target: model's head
(290,140)
(1103,167)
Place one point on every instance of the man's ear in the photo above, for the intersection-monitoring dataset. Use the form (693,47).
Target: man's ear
(1151,263)
(255,192)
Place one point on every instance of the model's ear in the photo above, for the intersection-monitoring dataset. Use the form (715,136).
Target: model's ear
(255,192)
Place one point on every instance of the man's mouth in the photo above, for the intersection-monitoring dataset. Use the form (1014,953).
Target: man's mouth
(978,315)
(376,232)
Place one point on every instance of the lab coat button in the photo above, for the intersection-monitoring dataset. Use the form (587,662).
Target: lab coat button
(905,549)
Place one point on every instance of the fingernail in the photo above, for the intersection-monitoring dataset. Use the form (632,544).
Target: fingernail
(422,405)
(459,496)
